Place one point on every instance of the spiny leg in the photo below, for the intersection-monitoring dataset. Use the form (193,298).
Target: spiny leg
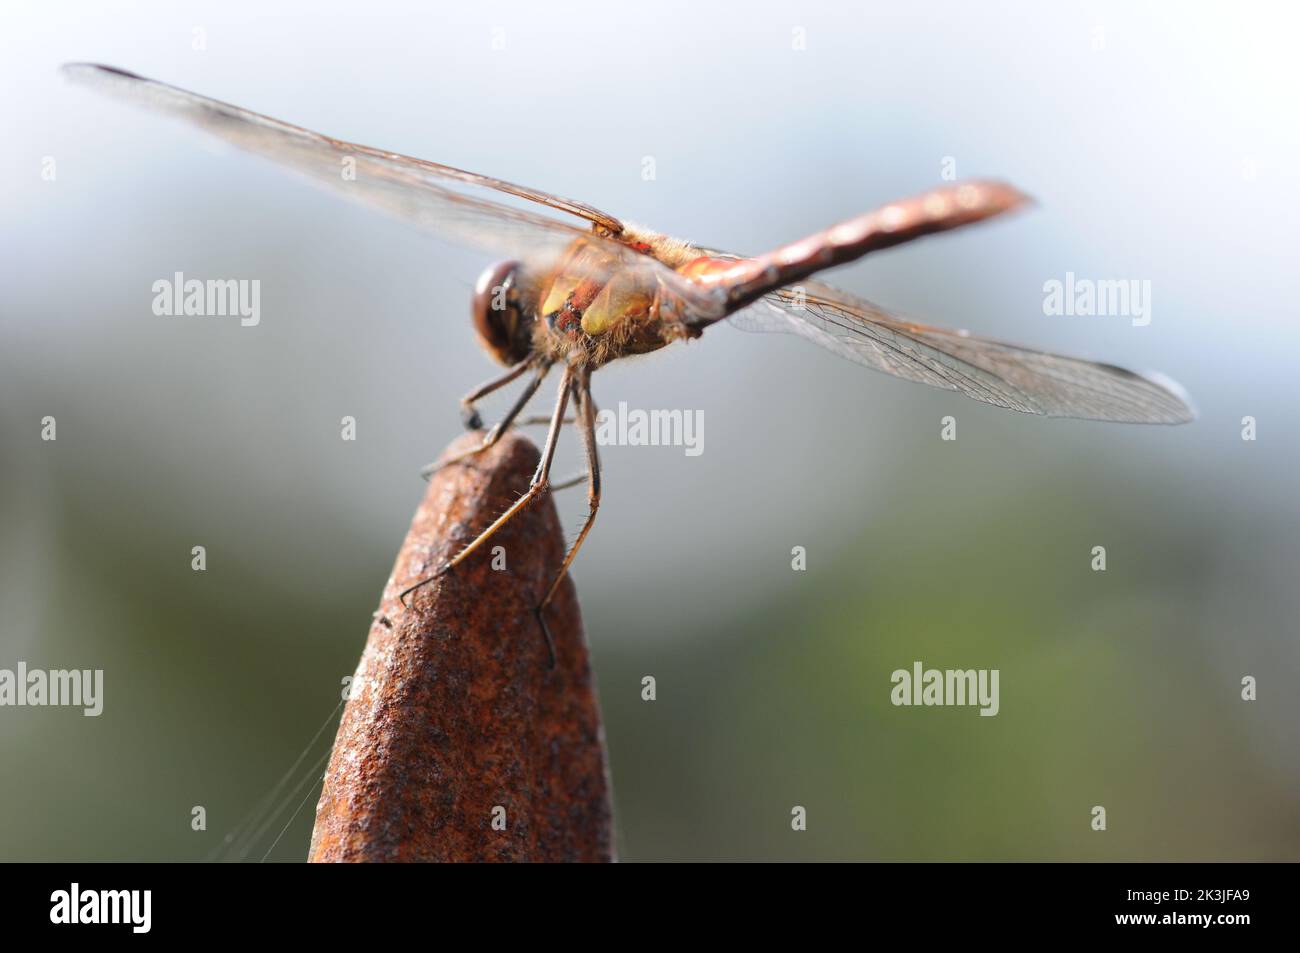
(569,482)
(533,421)
(536,487)
(501,426)
(586,415)
(469,413)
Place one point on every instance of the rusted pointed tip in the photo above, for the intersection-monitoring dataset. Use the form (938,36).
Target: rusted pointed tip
(461,741)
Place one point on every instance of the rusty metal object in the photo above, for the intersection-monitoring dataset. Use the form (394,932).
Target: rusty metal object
(457,724)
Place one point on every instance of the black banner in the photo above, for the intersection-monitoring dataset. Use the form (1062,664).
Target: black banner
(137,903)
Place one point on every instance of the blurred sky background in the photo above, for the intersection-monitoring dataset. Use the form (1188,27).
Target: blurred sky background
(1160,143)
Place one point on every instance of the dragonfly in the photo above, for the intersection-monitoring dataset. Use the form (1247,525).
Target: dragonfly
(577,288)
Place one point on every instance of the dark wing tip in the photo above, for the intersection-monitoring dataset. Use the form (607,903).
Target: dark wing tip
(1158,399)
(83,70)
(1185,410)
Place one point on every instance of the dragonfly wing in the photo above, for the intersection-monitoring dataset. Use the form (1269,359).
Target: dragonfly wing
(277,139)
(1005,375)
(435,197)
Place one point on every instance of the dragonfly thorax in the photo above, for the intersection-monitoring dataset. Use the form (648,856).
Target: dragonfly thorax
(593,304)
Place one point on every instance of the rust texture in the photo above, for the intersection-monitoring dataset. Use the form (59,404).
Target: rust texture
(456,711)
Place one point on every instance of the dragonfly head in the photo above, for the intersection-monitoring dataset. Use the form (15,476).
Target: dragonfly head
(503,328)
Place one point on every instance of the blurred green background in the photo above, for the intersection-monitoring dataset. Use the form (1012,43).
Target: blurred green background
(1154,142)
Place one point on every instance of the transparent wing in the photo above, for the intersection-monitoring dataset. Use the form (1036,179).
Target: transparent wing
(1005,375)
(432,196)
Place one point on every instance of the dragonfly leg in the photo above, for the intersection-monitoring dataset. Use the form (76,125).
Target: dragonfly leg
(469,413)
(586,413)
(569,482)
(537,420)
(493,435)
(536,488)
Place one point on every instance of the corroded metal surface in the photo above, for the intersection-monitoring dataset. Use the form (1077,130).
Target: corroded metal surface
(460,742)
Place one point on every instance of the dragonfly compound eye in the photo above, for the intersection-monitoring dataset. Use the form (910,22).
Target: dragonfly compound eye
(503,329)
